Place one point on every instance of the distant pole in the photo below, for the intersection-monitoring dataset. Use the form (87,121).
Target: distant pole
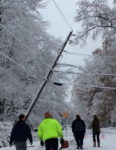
(47,78)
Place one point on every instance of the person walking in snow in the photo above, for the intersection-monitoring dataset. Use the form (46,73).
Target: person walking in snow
(19,134)
(96,131)
(79,129)
(48,131)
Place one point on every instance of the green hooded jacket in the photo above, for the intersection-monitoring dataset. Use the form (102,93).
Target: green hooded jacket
(49,128)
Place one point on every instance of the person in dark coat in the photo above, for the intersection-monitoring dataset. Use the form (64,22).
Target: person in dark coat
(79,129)
(96,130)
(20,133)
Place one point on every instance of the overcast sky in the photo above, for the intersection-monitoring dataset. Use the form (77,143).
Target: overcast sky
(59,28)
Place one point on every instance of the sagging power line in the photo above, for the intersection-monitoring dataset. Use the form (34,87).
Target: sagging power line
(70,65)
(93,74)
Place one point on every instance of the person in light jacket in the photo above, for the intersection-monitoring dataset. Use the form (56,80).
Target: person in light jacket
(49,131)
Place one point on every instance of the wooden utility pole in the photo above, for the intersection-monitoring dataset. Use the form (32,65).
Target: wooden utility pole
(47,78)
(0,13)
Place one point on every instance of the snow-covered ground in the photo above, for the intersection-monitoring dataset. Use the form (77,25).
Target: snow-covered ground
(108,141)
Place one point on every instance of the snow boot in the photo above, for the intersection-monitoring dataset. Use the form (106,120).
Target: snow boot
(98,144)
(94,144)
(77,147)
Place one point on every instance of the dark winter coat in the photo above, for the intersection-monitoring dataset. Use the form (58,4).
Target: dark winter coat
(78,125)
(20,132)
(96,125)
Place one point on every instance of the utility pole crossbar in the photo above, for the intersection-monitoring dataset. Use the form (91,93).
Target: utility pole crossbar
(47,78)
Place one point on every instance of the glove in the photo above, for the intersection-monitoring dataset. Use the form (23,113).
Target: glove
(10,144)
(42,143)
(61,141)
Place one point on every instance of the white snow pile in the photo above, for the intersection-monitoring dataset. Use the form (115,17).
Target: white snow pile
(5,129)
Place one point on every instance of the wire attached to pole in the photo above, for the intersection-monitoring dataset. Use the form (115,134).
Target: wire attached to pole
(65,19)
(79,54)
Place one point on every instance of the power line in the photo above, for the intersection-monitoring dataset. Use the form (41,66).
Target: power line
(70,65)
(89,55)
(67,72)
(76,53)
(97,86)
(70,72)
(62,14)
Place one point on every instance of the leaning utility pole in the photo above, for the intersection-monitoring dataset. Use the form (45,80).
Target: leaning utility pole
(0,13)
(47,78)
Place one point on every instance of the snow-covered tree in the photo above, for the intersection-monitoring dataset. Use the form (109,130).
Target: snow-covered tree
(27,52)
(94,93)
(95,90)
(96,17)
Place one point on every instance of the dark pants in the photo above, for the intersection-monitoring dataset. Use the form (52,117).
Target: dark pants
(20,145)
(51,144)
(79,138)
(96,135)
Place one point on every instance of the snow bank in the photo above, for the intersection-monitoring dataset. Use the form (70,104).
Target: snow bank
(5,129)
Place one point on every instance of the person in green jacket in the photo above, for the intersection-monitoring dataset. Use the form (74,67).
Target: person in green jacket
(49,131)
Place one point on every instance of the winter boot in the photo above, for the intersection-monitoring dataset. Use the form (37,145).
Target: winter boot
(98,144)
(94,144)
(78,147)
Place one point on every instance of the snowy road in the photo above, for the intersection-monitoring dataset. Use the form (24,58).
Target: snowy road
(108,141)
